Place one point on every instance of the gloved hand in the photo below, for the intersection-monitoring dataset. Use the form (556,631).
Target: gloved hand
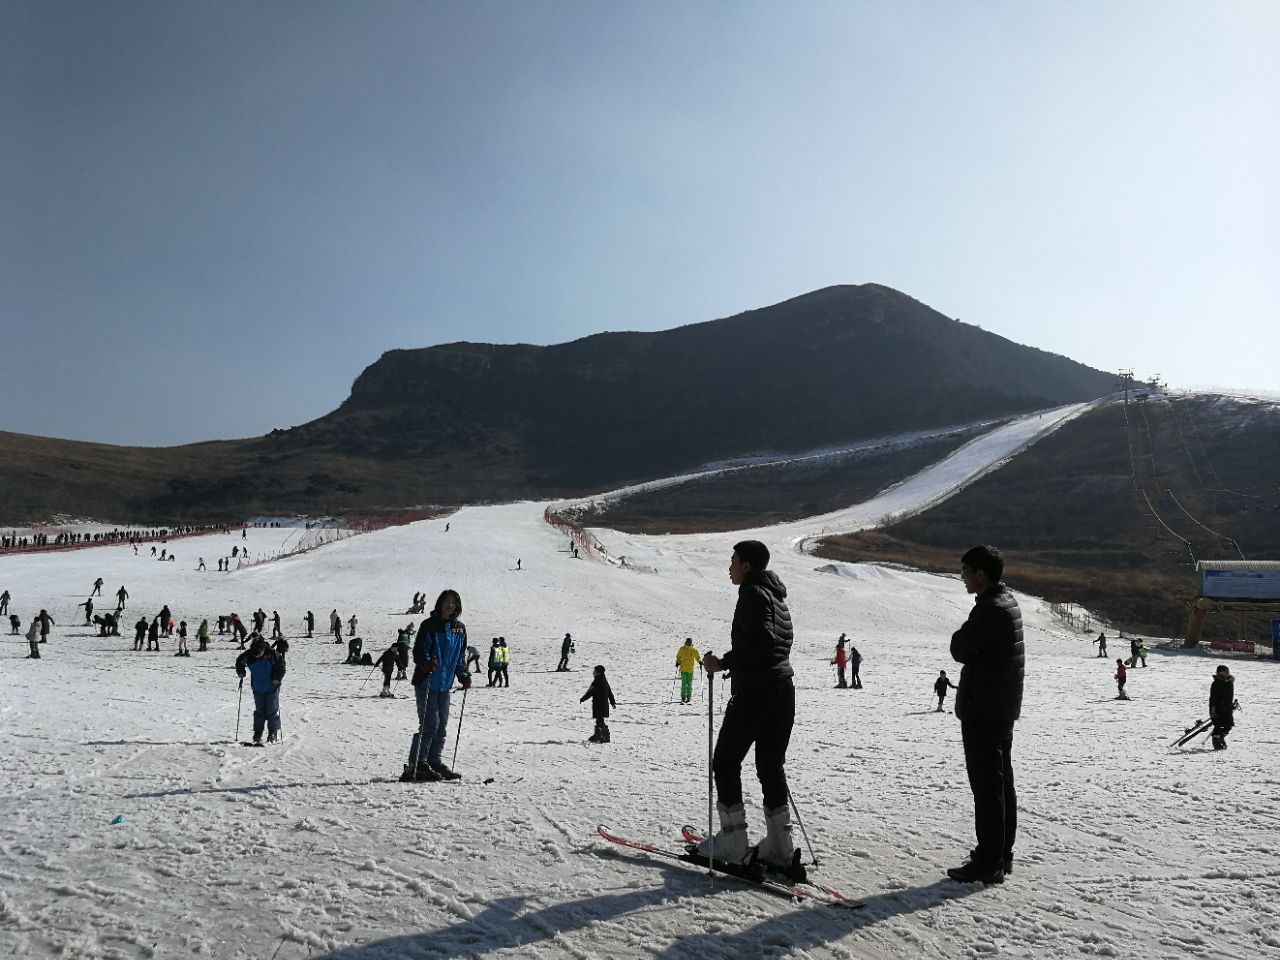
(429,665)
(466,682)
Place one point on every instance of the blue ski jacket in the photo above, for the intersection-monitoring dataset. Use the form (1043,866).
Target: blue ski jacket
(439,653)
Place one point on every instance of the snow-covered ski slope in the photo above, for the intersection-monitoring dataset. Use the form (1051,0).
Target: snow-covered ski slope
(305,849)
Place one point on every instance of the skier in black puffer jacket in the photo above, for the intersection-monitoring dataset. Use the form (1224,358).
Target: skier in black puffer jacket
(1222,701)
(761,710)
(988,703)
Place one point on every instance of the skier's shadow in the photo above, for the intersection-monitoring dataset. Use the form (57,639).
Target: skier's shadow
(505,924)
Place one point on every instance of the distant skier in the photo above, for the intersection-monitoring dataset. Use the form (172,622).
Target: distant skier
(259,620)
(387,662)
(473,659)
(840,660)
(266,669)
(310,622)
(504,663)
(687,657)
(202,636)
(276,632)
(1121,676)
(88,610)
(238,630)
(601,696)
(183,650)
(153,635)
(1222,703)
(1102,645)
(940,687)
(33,641)
(1142,652)
(4,602)
(566,648)
(493,661)
(46,622)
(15,622)
(518,565)
(97,588)
(855,668)
(351,626)
(140,633)
(201,566)
(1134,643)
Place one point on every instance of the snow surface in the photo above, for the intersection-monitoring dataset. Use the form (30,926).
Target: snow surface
(306,849)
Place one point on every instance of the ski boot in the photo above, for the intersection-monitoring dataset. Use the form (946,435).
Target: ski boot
(777,851)
(730,842)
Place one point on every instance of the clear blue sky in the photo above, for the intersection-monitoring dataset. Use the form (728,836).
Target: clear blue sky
(214,215)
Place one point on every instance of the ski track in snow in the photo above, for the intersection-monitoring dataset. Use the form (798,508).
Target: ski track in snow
(310,849)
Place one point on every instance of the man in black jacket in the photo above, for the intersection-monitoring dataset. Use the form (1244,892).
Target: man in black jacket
(988,703)
(1222,700)
(761,710)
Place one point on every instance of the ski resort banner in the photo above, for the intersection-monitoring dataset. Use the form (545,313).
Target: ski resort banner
(1240,580)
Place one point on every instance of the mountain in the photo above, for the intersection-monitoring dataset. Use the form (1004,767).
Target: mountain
(465,422)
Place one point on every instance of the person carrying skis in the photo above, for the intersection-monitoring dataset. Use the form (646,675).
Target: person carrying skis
(1122,675)
(566,648)
(761,710)
(940,687)
(1222,704)
(601,696)
(437,659)
(840,659)
(687,657)
(388,662)
(266,669)
(988,704)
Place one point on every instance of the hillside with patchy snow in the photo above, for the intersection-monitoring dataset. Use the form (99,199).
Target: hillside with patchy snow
(311,848)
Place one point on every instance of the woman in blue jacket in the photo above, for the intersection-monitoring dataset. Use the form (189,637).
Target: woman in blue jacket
(439,653)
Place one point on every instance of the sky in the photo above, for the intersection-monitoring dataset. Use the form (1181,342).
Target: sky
(213,216)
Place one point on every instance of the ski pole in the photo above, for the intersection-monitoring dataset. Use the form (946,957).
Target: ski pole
(239,702)
(422,726)
(462,712)
(805,833)
(711,778)
(367,679)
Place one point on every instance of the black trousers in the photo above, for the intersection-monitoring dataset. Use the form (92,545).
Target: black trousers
(988,757)
(763,717)
(564,662)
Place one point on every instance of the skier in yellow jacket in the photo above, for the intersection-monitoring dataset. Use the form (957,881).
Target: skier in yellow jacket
(686,657)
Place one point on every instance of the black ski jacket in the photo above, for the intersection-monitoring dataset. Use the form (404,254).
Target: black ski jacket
(1222,696)
(989,646)
(601,698)
(761,635)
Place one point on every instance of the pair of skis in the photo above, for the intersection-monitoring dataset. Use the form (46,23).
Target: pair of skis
(1201,726)
(754,874)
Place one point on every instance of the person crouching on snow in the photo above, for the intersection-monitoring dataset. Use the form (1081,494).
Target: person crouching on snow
(601,696)
(266,669)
